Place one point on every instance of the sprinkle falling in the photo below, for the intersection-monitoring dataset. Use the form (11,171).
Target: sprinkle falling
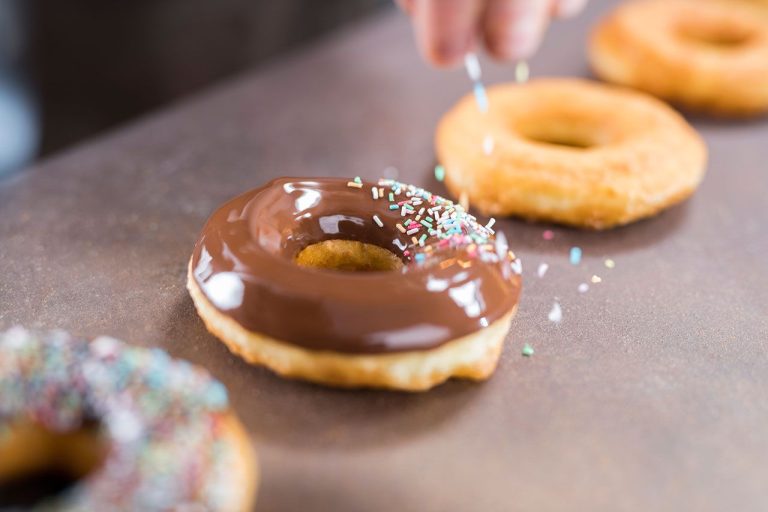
(522,72)
(473,67)
(480,97)
(472,64)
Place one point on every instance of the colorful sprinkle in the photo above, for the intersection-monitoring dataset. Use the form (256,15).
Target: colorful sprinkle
(575,256)
(378,222)
(596,279)
(583,287)
(481,97)
(527,350)
(522,72)
(543,267)
(435,224)
(151,408)
(609,263)
(473,66)
(439,172)
(556,313)
(548,234)
(354,184)
(358,180)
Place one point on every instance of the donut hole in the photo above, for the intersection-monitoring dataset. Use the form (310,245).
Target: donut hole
(562,132)
(348,256)
(38,465)
(716,35)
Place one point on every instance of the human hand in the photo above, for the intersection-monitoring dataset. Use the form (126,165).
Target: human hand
(446,30)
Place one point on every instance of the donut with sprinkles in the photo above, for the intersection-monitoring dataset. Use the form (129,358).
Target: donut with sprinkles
(134,428)
(356,284)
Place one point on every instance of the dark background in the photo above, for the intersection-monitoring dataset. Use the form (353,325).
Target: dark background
(96,63)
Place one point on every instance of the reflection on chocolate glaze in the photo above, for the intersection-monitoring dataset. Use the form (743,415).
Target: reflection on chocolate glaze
(244,264)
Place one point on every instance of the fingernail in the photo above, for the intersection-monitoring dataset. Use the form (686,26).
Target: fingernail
(524,37)
(449,52)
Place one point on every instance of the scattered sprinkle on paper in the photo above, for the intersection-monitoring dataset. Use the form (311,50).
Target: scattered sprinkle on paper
(556,313)
(575,255)
(609,263)
(439,172)
(488,145)
(548,235)
(596,279)
(583,287)
(527,350)
(542,269)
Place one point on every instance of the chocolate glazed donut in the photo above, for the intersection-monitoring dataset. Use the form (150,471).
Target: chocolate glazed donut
(453,280)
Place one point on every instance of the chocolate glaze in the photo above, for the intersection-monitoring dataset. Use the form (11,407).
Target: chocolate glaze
(243,262)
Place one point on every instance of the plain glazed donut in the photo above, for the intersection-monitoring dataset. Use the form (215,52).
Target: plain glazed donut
(140,430)
(436,301)
(707,56)
(570,151)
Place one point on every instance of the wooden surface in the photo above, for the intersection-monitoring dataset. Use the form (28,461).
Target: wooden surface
(650,395)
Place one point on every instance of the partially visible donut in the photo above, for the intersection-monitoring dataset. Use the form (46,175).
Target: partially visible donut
(432,298)
(570,151)
(706,56)
(142,431)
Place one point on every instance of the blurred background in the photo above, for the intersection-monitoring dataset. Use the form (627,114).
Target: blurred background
(71,69)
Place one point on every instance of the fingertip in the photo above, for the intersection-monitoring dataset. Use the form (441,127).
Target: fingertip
(445,54)
(445,29)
